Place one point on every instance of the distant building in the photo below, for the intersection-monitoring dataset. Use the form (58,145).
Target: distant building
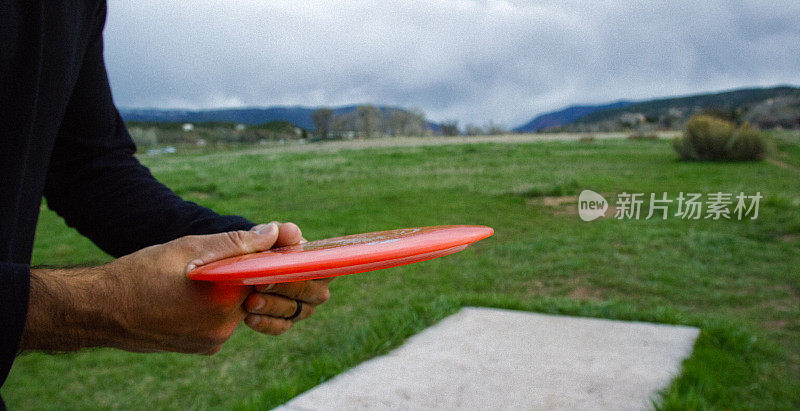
(188,127)
(240,127)
(632,119)
(163,150)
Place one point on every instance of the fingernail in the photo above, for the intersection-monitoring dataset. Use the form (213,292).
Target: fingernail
(266,228)
(259,303)
(254,320)
(193,265)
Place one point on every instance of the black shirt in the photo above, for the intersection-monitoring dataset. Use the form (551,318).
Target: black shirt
(61,137)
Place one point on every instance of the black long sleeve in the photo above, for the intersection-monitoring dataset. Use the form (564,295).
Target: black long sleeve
(62,137)
(99,188)
(14,282)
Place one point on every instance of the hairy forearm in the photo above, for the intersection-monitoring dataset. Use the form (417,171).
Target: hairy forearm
(69,309)
(144,302)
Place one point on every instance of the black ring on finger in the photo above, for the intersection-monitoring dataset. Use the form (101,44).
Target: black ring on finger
(297,311)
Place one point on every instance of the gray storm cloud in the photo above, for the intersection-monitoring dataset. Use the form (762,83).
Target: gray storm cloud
(475,61)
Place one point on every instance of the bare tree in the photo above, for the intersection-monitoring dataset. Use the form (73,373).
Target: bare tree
(450,128)
(369,119)
(494,129)
(323,121)
(473,130)
(418,125)
(408,123)
(345,124)
(398,122)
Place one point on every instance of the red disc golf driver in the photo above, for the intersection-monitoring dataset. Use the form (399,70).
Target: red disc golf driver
(342,255)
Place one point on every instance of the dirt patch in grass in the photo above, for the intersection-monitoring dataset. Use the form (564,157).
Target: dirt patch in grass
(575,288)
(585,293)
(783,164)
(789,301)
(565,205)
(790,237)
(559,201)
(558,205)
(536,287)
(778,325)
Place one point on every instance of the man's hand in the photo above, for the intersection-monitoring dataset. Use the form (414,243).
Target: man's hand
(271,304)
(144,302)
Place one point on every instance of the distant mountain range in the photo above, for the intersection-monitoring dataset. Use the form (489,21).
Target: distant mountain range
(297,115)
(565,116)
(764,107)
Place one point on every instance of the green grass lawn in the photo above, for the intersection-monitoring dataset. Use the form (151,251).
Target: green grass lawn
(739,281)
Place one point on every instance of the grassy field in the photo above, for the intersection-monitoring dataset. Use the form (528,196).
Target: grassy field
(739,281)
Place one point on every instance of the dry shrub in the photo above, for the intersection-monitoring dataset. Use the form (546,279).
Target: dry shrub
(708,138)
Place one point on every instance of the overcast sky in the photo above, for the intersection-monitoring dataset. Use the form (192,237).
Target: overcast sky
(471,60)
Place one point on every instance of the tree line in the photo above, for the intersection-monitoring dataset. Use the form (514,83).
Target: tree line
(370,121)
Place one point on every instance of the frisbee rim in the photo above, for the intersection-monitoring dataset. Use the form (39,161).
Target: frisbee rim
(344,270)
(292,261)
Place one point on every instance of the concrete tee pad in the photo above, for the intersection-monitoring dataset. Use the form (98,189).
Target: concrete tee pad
(485,358)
